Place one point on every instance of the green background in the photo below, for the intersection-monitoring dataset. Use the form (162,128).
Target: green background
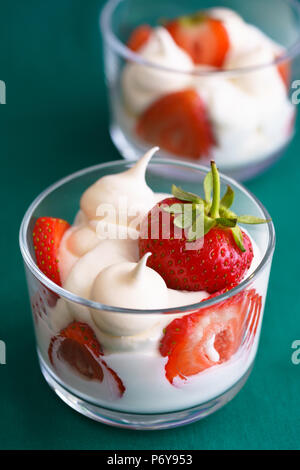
(54,123)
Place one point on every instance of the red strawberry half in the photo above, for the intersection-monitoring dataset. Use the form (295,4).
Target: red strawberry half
(178,123)
(196,243)
(139,37)
(205,39)
(47,235)
(77,346)
(284,69)
(206,338)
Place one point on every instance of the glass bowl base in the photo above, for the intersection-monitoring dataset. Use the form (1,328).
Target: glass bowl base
(140,421)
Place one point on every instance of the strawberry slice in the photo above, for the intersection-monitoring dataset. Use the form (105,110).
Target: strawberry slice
(41,301)
(178,123)
(139,37)
(38,307)
(200,340)
(77,346)
(47,235)
(205,39)
(284,69)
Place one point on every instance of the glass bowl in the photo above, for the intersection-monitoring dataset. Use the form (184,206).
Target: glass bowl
(248,105)
(142,397)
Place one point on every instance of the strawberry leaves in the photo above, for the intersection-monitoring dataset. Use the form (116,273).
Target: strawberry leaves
(238,237)
(174,208)
(185,195)
(226,222)
(199,216)
(252,220)
(189,216)
(228,198)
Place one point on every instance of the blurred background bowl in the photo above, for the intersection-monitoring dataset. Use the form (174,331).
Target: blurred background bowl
(241,151)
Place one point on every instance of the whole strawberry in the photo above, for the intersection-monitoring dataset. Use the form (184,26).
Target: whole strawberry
(196,243)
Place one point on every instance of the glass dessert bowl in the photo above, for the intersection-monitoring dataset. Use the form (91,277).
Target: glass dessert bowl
(201,86)
(139,331)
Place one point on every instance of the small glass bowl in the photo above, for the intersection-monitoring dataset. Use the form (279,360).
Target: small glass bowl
(148,400)
(241,150)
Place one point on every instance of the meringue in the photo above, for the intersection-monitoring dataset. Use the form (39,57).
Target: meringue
(137,287)
(110,192)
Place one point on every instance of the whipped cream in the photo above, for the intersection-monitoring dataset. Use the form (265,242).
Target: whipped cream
(250,112)
(111,189)
(142,84)
(137,285)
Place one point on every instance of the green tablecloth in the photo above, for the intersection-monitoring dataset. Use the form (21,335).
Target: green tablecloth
(55,122)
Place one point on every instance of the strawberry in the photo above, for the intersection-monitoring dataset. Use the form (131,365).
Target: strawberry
(38,307)
(284,69)
(196,243)
(178,123)
(205,39)
(41,301)
(78,346)
(208,337)
(139,37)
(47,235)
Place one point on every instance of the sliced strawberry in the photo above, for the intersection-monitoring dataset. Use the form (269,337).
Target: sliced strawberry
(47,235)
(284,70)
(139,37)
(178,123)
(205,39)
(41,300)
(77,346)
(200,340)
(254,313)
(38,307)
(117,381)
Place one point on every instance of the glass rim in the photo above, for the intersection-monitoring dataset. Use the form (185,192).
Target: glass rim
(121,48)
(60,291)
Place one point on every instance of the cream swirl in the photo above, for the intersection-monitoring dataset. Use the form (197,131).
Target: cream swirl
(126,191)
(144,84)
(137,287)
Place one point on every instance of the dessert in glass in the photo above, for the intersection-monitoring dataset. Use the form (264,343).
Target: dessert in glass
(148,308)
(200,82)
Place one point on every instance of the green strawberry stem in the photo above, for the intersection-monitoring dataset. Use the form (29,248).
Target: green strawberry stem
(214,211)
